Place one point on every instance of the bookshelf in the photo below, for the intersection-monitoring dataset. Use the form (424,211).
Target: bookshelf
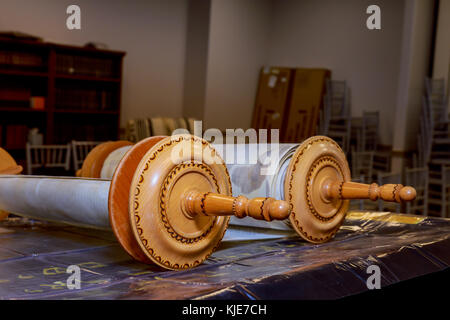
(68,92)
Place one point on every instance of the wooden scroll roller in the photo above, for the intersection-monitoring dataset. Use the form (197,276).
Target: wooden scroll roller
(314,177)
(316,182)
(103,156)
(220,205)
(318,186)
(7,166)
(169,201)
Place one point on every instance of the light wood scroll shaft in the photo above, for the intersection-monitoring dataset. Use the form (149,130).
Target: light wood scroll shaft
(352,190)
(213,204)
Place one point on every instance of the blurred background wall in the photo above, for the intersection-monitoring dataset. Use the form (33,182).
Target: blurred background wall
(153,33)
(202,58)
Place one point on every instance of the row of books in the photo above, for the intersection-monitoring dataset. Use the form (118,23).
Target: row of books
(15,93)
(88,66)
(91,99)
(15,137)
(21,59)
(21,98)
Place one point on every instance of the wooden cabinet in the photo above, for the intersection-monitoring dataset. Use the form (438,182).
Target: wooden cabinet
(290,99)
(68,92)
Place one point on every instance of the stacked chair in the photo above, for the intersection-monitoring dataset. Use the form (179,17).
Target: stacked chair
(367,136)
(47,157)
(56,159)
(361,136)
(335,118)
(362,168)
(431,165)
(434,145)
(80,150)
(418,176)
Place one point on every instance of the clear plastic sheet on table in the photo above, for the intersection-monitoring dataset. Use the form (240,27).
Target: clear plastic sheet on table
(34,257)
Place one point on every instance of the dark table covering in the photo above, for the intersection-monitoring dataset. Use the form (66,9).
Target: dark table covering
(34,257)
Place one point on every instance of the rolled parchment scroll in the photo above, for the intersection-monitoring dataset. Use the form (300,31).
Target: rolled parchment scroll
(164,206)
(313,177)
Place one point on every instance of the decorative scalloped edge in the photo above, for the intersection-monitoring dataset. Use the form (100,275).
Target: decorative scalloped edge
(150,251)
(162,204)
(312,141)
(326,159)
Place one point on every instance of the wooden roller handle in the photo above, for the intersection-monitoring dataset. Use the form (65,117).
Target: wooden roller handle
(12,170)
(353,190)
(213,204)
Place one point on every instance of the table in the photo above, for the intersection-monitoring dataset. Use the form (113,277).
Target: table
(34,257)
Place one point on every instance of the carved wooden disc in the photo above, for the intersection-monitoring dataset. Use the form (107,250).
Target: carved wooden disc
(118,197)
(166,233)
(317,160)
(7,163)
(7,166)
(92,165)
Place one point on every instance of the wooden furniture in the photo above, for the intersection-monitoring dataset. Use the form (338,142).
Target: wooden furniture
(336,113)
(434,142)
(290,99)
(418,177)
(168,202)
(317,185)
(47,156)
(362,164)
(439,190)
(370,131)
(95,160)
(7,166)
(170,198)
(68,92)
(80,150)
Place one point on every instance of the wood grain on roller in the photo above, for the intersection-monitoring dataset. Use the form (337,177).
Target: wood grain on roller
(170,199)
(93,164)
(168,202)
(313,176)
(8,166)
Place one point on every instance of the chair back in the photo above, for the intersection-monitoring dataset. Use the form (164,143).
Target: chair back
(362,164)
(47,156)
(80,150)
(418,177)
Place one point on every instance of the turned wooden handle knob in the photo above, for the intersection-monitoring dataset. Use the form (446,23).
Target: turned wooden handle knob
(353,190)
(213,204)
